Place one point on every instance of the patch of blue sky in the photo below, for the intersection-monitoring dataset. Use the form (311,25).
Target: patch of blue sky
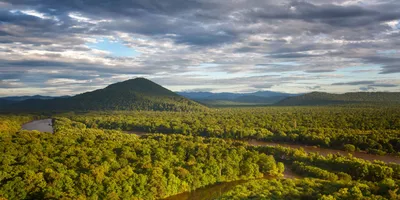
(279,64)
(398,25)
(208,65)
(360,73)
(116,48)
(286,63)
(387,52)
(364,70)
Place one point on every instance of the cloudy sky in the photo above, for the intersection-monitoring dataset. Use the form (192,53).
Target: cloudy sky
(54,47)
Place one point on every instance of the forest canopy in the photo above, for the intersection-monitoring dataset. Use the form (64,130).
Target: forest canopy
(97,155)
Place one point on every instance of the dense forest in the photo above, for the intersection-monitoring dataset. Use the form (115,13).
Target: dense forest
(322,98)
(372,129)
(93,155)
(78,162)
(12,123)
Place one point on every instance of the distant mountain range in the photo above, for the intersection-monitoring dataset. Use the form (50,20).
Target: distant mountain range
(134,94)
(143,94)
(23,98)
(226,98)
(322,98)
(5,101)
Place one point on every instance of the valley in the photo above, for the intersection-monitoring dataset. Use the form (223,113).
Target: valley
(198,152)
(199,100)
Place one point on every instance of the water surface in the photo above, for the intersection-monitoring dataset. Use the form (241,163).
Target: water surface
(208,192)
(43,125)
(325,152)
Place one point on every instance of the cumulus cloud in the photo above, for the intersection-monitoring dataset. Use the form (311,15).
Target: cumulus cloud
(254,44)
(317,87)
(367,88)
(369,85)
(356,83)
(10,83)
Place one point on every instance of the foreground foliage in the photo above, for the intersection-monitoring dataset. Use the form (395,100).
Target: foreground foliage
(313,189)
(88,157)
(333,166)
(79,163)
(12,123)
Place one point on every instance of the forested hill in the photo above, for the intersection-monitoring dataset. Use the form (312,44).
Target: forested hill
(321,98)
(134,94)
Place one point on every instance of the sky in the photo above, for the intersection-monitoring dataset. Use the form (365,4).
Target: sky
(55,48)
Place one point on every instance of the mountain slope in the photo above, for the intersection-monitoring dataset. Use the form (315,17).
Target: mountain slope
(259,99)
(321,98)
(4,103)
(226,98)
(134,94)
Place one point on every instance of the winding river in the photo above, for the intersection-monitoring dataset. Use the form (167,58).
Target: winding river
(324,152)
(43,125)
(314,149)
(208,192)
(216,190)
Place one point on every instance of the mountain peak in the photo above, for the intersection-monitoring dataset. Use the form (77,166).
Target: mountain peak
(134,81)
(133,94)
(142,86)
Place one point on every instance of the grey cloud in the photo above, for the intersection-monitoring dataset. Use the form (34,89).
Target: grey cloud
(313,87)
(384,85)
(369,85)
(237,36)
(367,88)
(79,66)
(346,16)
(293,55)
(390,69)
(356,83)
(320,70)
(10,84)
(262,85)
(199,90)
(389,64)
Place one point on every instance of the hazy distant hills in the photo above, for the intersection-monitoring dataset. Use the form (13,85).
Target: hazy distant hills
(134,94)
(23,98)
(321,98)
(4,102)
(143,94)
(226,98)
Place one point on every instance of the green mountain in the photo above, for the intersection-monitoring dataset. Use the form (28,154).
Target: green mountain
(4,102)
(23,98)
(134,94)
(248,100)
(322,98)
(258,99)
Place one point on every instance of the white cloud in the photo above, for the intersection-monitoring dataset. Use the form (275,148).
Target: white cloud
(80,18)
(63,81)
